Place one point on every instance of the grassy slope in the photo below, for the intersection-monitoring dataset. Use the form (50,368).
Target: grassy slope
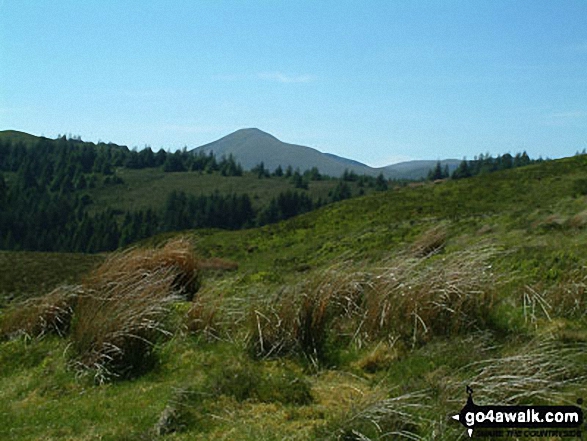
(514,204)
(148,188)
(30,274)
(531,215)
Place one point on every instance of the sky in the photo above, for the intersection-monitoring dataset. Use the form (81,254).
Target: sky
(375,81)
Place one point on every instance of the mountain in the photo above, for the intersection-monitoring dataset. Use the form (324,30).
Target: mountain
(417,169)
(252,146)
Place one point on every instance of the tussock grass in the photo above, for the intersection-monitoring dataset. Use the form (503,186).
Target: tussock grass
(535,306)
(407,298)
(540,372)
(417,299)
(36,317)
(176,256)
(374,417)
(203,317)
(568,298)
(272,327)
(122,310)
(300,319)
(430,242)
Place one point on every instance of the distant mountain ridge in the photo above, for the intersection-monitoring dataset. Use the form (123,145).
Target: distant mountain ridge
(251,146)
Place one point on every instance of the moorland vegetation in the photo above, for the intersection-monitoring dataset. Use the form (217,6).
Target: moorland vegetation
(364,319)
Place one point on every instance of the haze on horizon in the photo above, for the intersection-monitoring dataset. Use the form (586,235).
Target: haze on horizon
(378,82)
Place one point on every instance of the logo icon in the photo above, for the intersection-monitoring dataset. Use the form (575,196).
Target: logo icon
(537,418)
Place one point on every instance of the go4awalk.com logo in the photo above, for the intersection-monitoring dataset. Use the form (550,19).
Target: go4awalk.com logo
(520,421)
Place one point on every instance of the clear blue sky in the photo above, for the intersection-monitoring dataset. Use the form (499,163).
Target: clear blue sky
(375,81)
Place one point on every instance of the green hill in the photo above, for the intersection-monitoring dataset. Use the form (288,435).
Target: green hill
(16,136)
(364,318)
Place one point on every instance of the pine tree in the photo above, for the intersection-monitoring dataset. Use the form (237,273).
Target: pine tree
(436,172)
(380,183)
(462,171)
(3,190)
(340,192)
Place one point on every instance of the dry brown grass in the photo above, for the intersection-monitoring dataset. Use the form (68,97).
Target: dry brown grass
(272,326)
(203,317)
(567,298)
(122,310)
(36,317)
(176,256)
(302,317)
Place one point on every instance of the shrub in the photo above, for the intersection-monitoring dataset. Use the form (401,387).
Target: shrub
(122,310)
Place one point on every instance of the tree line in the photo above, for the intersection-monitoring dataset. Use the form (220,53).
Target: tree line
(45,201)
(482,164)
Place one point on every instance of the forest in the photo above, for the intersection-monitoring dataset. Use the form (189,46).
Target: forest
(45,195)
(46,186)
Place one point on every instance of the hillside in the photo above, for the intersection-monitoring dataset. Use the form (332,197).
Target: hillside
(16,136)
(70,195)
(364,318)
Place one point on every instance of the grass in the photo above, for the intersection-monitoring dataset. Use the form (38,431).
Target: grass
(409,300)
(114,318)
(38,316)
(363,320)
(149,188)
(122,309)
